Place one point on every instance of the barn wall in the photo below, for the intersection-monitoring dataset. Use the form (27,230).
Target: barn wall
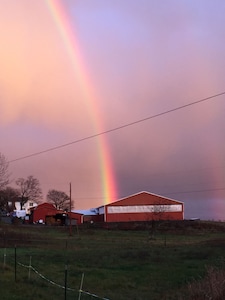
(93,218)
(128,213)
(76,217)
(40,214)
(128,217)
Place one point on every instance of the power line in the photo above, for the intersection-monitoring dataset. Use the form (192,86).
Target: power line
(119,127)
(195,191)
(161,193)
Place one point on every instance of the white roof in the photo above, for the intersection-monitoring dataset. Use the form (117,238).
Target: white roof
(86,212)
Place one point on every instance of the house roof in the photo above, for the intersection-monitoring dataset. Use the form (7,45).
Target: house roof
(144,198)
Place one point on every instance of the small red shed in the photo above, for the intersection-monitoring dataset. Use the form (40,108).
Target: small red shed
(48,214)
(41,211)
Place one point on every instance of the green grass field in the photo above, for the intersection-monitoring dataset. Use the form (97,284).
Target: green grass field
(116,264)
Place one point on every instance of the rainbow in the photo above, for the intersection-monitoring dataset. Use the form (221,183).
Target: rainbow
(71,44)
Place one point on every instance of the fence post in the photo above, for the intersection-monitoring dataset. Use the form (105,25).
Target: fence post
(65,285)
(4,259)
(15,258)
(81,286)
(29,268)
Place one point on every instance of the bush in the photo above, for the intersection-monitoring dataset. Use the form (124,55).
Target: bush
(210,287)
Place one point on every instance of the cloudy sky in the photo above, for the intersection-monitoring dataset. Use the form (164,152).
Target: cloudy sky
(72,70)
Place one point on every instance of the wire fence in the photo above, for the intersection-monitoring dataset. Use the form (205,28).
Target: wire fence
(31,268)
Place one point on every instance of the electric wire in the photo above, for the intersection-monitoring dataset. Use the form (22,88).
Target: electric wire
(195,191)
(161,193)
(118,128)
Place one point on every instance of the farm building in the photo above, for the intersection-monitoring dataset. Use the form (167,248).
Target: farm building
(90,215)
(142,206)
(47,213)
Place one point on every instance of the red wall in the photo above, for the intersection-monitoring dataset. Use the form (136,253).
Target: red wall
(76,216)
(128,217)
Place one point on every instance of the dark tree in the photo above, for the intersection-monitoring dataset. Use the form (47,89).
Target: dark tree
(8,197)
(29,189)
(4,175)
(60,199)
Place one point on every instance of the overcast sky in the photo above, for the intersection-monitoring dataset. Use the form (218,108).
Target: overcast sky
(74,69)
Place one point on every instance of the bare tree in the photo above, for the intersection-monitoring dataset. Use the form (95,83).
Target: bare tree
(8,197)
(29,189)
(60,199)
(4,175)
(156,214)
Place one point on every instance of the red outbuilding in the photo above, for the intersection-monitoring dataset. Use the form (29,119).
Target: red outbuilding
(47,213)
(142,206)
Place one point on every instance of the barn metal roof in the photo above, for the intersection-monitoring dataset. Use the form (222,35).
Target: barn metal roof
(144,198)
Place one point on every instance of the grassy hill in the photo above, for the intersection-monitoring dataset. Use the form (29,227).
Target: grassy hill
(176,260)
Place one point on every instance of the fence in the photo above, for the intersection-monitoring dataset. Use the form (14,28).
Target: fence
(31,268)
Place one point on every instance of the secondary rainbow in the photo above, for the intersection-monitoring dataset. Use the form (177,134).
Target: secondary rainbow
(71,44)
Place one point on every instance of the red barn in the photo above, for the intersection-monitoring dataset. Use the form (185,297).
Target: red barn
(50,215)
(142,206)
(41,211)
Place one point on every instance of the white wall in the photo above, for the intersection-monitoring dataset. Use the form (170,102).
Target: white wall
(26,206)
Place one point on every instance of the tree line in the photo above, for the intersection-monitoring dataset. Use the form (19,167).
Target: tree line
(28,189)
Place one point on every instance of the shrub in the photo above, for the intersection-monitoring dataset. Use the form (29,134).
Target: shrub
(210,287)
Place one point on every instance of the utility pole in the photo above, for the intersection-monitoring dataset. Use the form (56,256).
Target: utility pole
(70,210)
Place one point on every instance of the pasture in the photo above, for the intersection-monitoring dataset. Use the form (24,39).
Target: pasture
(116,264)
